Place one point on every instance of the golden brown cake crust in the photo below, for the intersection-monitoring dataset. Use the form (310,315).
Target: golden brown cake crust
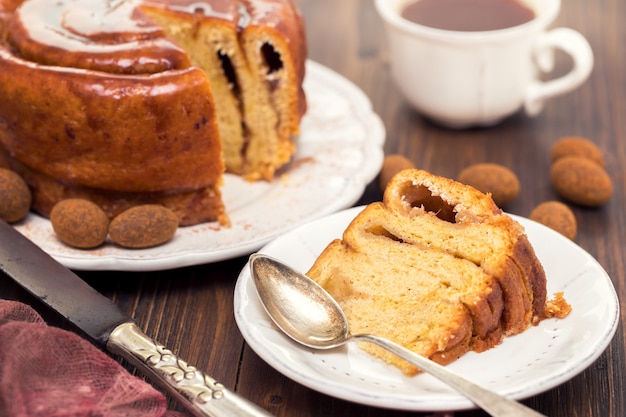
(437,267)
(467,213)
(191,207)
(85,129)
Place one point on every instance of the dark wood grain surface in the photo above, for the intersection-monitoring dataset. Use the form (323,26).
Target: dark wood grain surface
(191,309)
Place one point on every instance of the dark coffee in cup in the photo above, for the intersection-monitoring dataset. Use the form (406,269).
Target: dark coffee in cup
(468,15)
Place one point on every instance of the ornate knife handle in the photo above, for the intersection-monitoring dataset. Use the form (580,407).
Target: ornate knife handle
(200,393)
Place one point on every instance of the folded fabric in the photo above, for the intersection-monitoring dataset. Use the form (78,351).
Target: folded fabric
(49,372)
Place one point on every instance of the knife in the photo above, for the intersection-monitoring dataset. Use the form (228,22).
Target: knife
(105,325)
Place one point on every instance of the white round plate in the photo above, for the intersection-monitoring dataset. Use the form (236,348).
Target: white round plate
(339,153)
(540,358)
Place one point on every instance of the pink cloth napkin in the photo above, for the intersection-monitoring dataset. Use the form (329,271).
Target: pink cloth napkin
(49,372)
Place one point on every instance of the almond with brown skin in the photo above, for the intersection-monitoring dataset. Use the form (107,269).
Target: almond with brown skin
(79,223)
(557,216)
(492,178)
(392,164)
(577,146)
(581,181)
(15,196)
(143,226)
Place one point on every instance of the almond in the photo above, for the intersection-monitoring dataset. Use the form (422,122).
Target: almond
(557,216)
(577,146)
(392,164)
(581,181)
(15,196)
(143,226)
(79,223)
(495,179)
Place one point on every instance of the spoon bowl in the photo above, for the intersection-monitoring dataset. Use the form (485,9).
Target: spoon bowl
(306,313)
(301,308)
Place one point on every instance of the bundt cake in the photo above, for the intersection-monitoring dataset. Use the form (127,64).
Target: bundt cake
(128,102)
(437,267)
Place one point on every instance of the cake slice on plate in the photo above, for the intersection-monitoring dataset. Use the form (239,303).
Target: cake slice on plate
(437,267)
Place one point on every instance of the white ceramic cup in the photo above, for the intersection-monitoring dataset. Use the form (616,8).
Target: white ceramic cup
(462,79)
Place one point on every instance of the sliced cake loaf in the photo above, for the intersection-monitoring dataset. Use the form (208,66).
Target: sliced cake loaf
(254,55)
(436,267)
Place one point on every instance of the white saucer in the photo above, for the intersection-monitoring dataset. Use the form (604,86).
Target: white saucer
(522,366)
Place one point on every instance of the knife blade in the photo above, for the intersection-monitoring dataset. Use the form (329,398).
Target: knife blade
(99,320)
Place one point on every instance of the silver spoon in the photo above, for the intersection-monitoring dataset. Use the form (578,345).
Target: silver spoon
(309,315)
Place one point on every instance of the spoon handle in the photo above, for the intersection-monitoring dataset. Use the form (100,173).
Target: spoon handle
(495,404)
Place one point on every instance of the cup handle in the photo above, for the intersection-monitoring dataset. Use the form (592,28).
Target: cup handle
(572,43)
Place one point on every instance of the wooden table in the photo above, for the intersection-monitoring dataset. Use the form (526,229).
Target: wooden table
(191,309)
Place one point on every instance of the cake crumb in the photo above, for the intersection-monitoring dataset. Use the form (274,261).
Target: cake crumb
(557,307)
